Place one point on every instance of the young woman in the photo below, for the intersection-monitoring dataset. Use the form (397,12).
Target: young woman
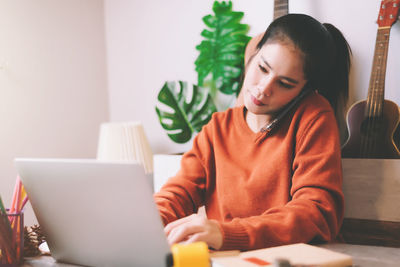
(269,172)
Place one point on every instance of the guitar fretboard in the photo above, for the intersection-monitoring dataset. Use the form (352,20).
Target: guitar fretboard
(281,7)
(376,91)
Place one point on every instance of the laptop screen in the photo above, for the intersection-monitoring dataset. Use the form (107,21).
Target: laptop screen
(95,213)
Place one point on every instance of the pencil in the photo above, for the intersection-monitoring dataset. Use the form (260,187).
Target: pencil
(14,195)
(22,198)
(16,199)
(24,202)
(4,211)
(6,238)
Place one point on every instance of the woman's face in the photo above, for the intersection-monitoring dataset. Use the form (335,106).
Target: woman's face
(274,77)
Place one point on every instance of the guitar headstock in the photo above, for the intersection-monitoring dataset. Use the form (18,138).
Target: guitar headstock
(388,13)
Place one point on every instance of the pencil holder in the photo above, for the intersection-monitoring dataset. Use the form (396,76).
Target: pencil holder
(12,248)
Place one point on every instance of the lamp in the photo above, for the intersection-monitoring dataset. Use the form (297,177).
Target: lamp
(125,141)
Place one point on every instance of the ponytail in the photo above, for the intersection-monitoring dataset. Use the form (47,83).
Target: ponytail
(336,86)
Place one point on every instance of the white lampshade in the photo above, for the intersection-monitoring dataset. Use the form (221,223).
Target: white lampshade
(125,141)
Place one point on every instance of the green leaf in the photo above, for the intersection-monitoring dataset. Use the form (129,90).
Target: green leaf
(184,109)
(221,59)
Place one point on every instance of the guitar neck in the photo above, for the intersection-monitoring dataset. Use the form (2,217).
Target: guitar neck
(376,91)
(281,7)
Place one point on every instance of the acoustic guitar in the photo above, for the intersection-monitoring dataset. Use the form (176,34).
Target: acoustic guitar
(281,7)
(372,122)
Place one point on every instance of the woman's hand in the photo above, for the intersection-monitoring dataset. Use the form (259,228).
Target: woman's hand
(194,228)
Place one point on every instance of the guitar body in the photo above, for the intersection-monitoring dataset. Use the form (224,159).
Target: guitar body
(372,137)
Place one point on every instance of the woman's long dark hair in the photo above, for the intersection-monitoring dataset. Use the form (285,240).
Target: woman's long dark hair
(326,56)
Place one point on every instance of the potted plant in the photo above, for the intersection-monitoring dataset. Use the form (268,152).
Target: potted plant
(184,108)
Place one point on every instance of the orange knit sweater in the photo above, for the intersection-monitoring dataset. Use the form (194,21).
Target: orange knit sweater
(266,188)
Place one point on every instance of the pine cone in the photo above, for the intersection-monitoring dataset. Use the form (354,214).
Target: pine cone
(40,236)
(33,237)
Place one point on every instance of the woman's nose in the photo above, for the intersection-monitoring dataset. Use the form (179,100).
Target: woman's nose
(265,86)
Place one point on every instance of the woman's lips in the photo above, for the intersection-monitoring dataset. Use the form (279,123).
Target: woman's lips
(255,101)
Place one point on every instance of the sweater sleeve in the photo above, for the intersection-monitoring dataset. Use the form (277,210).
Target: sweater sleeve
(315,210)
(184,193)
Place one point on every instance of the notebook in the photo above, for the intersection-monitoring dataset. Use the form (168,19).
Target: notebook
(95,213)
(299,254)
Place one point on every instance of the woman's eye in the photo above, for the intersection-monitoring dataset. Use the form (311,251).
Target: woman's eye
(262,69)
(286,85)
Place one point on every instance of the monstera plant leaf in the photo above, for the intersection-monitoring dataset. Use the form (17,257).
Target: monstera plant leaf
(183,109)
(221,60)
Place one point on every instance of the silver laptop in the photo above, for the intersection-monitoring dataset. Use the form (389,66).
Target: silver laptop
(95,213)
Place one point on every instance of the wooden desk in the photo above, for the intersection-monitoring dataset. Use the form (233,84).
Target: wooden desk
(363,256)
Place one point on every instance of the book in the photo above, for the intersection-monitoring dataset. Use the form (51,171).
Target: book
(299,254)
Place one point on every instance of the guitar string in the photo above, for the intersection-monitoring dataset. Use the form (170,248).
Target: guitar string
(365,136)
(373,118)
(376,116)
(383,72)
(381,78)
(375,107)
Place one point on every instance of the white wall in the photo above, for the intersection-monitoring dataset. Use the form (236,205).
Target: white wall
(54,76)
(153,41)
(52,82)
